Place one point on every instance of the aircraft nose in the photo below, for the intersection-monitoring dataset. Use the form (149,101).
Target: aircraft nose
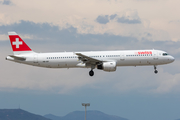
(172,59)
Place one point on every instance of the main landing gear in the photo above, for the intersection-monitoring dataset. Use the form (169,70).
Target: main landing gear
(91,73)
(155,71)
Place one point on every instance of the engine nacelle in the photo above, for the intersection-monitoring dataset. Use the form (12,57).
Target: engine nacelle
(107,66)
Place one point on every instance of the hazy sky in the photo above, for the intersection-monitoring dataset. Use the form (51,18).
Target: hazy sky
(135,93)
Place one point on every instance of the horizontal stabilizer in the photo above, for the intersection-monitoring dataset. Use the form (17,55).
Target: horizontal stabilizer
(18,58)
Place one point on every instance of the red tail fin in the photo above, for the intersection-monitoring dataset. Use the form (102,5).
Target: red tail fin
(17,43)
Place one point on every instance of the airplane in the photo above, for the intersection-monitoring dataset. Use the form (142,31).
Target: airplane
(103,60)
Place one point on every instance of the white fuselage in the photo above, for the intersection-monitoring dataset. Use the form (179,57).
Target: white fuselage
(71,60)
(102,60)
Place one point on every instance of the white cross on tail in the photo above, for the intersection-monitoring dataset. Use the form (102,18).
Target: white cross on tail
(17,43)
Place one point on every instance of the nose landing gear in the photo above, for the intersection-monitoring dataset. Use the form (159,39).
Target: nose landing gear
(155,71)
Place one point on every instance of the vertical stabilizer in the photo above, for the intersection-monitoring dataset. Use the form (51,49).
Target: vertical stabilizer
(18,45)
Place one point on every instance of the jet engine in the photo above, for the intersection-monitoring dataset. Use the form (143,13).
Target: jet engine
(107,66)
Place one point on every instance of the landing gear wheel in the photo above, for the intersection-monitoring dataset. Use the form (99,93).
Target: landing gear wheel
(155,71)
(91,73)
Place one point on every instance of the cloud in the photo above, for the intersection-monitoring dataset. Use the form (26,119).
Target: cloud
(48,33)
(128,17)
(70,35)
(133,19)
(38,30)
(128,21)
(28,27)
(167,83)
(174,21)
(6,2)
(112,16)
(3,37)
(102,19)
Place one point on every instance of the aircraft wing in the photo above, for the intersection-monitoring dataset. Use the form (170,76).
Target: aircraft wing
(87,59)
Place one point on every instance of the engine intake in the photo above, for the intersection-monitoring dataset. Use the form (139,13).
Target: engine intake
(107,66)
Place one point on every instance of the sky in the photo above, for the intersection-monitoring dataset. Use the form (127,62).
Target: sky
(135,93)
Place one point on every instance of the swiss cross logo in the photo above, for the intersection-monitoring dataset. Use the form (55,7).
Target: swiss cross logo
(17,43)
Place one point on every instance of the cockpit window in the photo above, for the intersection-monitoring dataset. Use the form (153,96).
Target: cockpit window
(165,54)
